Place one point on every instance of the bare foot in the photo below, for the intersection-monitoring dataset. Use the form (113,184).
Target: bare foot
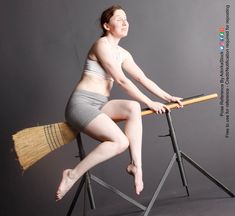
(137,173)
(65,184)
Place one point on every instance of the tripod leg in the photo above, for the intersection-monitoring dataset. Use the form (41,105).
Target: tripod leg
(85,199)
(76,196)
(116,191)
(160,185)
(85,180)
(88,178)
(89,191)
(183,174)
(209,176)
(177,151)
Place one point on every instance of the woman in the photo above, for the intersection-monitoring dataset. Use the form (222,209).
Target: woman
(89,110)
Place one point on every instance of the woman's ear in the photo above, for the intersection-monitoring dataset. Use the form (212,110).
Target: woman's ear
(106,26)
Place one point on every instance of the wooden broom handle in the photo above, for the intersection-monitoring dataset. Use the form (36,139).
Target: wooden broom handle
(185,102)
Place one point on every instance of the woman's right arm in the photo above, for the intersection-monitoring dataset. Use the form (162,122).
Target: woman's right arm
(106,57)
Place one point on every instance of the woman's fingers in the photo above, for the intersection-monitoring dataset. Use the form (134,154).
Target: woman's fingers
(180,104)
(161,108)
(167,108)
(178,100)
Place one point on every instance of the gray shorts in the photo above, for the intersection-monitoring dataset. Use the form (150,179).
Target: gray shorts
(83,106)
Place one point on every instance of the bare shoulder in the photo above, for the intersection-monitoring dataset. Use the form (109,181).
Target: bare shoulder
(100,46)
(125,53)
(101,43)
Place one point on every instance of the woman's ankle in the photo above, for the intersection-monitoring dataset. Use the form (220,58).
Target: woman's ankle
(71,174)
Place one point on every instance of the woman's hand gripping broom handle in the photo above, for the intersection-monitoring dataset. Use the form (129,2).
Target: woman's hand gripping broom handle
(185,102)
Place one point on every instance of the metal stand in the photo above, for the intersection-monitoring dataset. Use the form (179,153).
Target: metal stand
(86,183)
(178,157)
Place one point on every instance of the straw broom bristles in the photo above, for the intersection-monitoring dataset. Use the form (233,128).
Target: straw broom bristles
(31,144)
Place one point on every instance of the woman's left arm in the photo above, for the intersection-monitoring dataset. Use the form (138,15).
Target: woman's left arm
(135,72)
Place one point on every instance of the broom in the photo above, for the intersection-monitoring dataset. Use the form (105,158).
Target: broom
(31,144)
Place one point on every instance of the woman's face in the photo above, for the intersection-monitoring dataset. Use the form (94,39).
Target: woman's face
(118,24)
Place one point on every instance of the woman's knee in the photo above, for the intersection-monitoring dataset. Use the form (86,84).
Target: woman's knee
(133,108)
(122,143)
(108,131)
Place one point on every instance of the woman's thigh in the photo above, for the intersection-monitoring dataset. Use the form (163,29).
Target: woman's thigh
(121,109)
(103,127)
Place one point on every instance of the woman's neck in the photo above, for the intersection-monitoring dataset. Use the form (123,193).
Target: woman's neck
(112,40)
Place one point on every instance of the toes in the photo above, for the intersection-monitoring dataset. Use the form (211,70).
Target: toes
(65,184)
(58,196)
(137,174)
(139,188)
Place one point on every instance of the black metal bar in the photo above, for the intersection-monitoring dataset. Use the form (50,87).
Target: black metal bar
(177,151)
(81,151)
(204,172)
(90,191)
(187,190)
(76,196)
(85,199)
(118,192)
(85,180)
(160,185)
(88,185)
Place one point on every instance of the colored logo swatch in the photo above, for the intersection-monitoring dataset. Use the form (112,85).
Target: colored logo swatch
(221,39)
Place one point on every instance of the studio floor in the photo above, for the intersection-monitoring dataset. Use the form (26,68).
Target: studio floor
(180,206)
(199,203)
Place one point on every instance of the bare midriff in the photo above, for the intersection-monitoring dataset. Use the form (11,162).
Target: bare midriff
(94,83)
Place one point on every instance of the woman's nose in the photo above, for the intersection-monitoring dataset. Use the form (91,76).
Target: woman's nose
(124,22)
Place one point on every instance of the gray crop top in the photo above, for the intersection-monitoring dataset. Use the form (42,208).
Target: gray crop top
(94,67)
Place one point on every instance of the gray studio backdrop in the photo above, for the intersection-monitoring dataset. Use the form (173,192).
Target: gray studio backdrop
(42,49)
